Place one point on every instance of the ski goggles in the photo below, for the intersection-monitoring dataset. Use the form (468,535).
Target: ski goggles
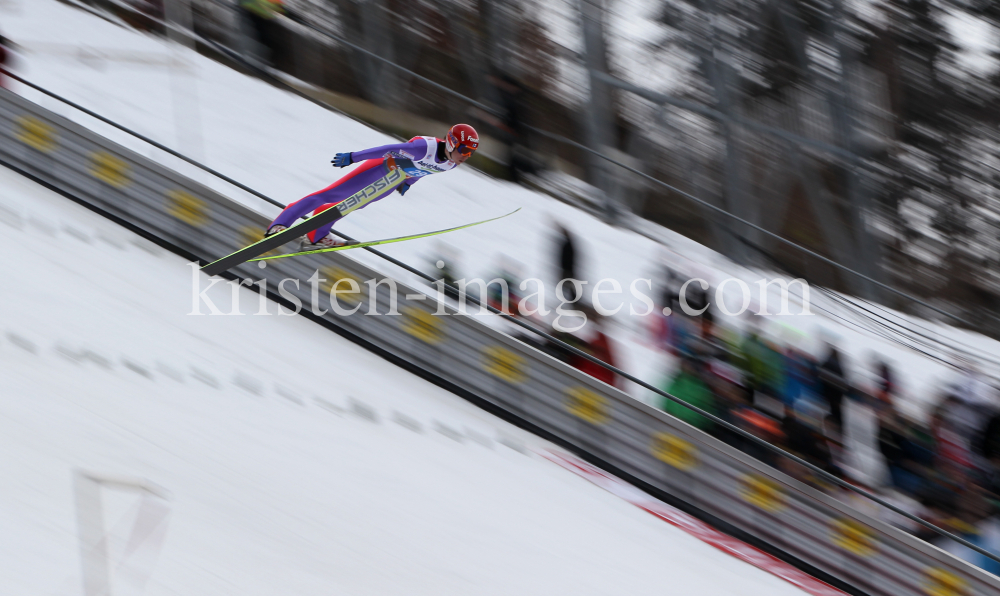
(465,148)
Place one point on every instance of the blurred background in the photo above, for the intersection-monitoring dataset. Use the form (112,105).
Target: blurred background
(672,140)
(860,130)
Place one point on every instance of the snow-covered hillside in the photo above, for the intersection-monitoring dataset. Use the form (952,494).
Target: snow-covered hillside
(282,145)
(297,463)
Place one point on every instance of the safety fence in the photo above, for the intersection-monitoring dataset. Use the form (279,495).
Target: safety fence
(645,444)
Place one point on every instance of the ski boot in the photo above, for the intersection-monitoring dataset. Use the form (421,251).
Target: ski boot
(274,230)
(328,241)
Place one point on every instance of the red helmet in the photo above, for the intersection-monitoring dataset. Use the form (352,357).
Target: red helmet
(463,138)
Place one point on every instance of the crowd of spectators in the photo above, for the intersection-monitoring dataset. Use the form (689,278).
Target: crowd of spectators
(945,469)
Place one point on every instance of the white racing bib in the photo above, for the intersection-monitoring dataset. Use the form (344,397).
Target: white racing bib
(425,165)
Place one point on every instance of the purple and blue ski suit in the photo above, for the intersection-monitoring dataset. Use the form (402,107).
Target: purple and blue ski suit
(426,154)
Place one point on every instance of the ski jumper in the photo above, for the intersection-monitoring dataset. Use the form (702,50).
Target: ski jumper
(419,157)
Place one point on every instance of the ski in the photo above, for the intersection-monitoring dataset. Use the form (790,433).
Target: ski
(391,180)
(383,241)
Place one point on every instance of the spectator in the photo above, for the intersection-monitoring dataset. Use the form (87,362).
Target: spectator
(972,520)
(694,334)
(671,288)
(663,326)
(804,437)
(511,125)
(908,453)
(953,460)
(689,386)
(885,386)
(989,440)
(5,60)
(989,449)
(597,344)
(696,297)
(726,382)
(973,405)
(832,386)
(509,273)
(703,343)
(762,426)
(259,26)
(765,372)
(566,253)
(799,380)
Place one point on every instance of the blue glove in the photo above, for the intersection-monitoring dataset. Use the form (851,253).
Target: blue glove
(342,160)
(402,188)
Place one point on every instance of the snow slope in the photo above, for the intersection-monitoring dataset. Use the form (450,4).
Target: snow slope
(281,145)
(280,445)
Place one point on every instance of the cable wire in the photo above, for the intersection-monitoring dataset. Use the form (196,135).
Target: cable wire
(577,352)
(568,141)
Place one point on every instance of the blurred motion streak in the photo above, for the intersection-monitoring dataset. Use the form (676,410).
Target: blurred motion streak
(863,132)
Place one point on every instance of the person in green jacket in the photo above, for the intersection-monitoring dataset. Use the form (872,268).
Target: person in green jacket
(763,364)
(689,386)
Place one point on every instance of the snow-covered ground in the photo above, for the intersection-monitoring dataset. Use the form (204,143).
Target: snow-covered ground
(296,462)
(282,145)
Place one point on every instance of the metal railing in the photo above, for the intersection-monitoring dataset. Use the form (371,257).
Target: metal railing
(548,337)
